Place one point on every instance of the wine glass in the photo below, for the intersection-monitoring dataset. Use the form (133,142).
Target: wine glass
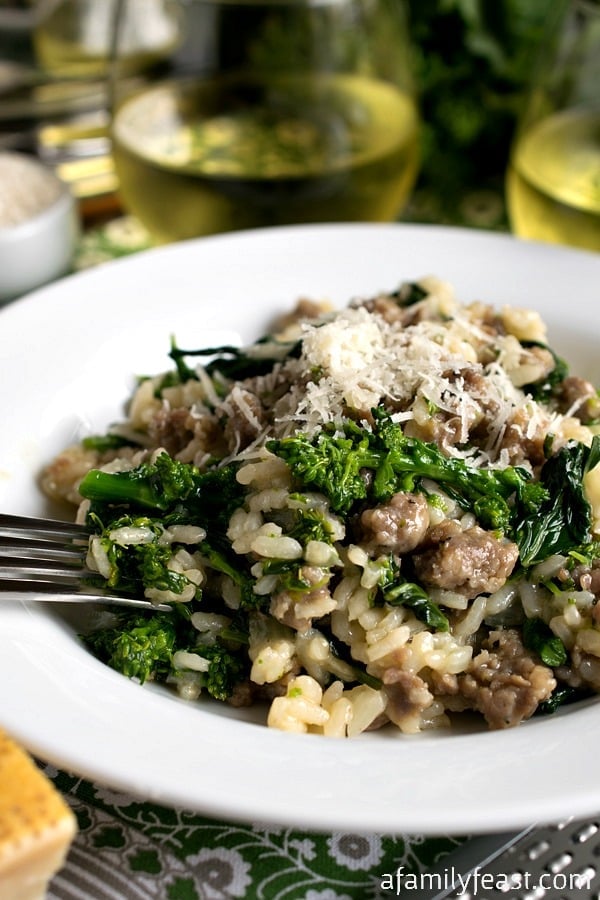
(74,37)
(269,112)
(65,93)
(553,178)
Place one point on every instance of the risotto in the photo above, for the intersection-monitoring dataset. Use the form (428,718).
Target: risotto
(384,515)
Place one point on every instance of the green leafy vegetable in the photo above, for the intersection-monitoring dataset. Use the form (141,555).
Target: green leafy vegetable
(538,637)
(413,597)
(543,390)
(397,591)
(310,525)
(103,442)
(142,645)
(220,561)
(156,485)
(225,669)
(330,463)
(155,496)
(139,645)
(236,362)
(359,674)
(409,293)
(134,566)
(562,695)
(335,464)
(562,521)
(217,493)
(177,490)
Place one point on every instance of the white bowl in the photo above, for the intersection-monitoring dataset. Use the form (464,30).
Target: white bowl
(40,248)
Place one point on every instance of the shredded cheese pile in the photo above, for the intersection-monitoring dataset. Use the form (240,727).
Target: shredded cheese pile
(448,363)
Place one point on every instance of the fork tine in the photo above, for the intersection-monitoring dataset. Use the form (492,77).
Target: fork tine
(22,589)
(39,567)
(45,559)
(26,548)
(52,529)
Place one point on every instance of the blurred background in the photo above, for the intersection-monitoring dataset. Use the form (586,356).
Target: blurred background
(471,61)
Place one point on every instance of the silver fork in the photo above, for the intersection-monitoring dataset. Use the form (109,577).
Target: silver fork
(44,559)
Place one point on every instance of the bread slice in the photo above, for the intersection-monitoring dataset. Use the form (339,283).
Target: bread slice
(36,825)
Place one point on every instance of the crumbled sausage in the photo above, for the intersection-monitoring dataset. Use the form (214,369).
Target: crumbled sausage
(469,562)
(60,479)
(387,308)
(521,445)
(407,697)
(504,682)
(587,577)
(243,694)
(471,421)
(305,310)
(175,429)
(578,397)
(298,608)
(246,419)
(398,526)
(442,428)
(171,429)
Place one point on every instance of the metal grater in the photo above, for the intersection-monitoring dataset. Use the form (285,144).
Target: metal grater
(555,862)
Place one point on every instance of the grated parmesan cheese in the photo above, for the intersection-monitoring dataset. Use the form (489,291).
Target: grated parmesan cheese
(434,365)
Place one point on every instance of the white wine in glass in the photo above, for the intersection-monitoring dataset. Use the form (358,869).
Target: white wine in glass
(290,111)
(553,179)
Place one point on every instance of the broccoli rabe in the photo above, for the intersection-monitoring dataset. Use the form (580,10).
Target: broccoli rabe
(562,695)
(142,646)
(144,563)
(155,496)
(397,591)
(157,485)
(409,293)
(103,442)
(561,522)
(311,525)
(539,637)
(290,576)
(331,463)
(335,464)
(138,645)
(218,560)
(217,494)
(236,362)
(357,672)
(178,491)
(226,668)
(543,517)
(543,390)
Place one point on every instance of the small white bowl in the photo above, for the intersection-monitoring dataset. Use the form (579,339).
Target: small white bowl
(41,247)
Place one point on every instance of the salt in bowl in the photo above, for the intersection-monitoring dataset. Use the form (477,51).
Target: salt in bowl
(39,225)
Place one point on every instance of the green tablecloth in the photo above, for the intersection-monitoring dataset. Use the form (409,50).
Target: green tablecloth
(130,850)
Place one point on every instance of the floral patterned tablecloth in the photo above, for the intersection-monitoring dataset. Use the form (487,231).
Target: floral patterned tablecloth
(130,850)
